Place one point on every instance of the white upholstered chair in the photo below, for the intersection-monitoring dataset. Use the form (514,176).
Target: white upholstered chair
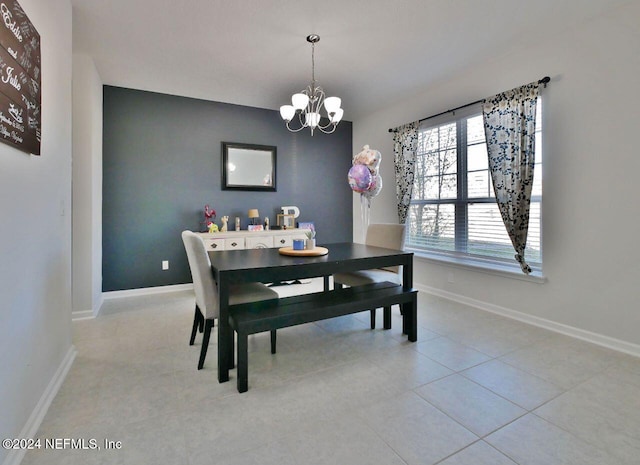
(389,236)
(206,291)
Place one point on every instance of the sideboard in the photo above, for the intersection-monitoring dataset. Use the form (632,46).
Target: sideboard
(231,240)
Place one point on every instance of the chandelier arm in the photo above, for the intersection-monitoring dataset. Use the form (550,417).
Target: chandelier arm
(303,123)
(322,129)
(295,130)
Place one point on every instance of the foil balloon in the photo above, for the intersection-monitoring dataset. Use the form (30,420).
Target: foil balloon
(359,178)
(375,188)
(368,157)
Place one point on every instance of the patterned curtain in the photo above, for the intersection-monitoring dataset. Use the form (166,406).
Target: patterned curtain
(509,126)
(405,145)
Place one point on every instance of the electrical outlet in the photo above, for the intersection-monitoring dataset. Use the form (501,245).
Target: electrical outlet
(165,265)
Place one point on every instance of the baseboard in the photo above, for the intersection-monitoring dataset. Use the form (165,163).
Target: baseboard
(14,457)
(88,314)
(588,336)
(82,315)
(97,306)
(146,291)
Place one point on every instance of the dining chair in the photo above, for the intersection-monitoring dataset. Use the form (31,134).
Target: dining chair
(389,236)
(206,291)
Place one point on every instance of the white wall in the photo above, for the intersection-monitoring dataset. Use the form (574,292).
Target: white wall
(35,235)
(87,187)
(591,221)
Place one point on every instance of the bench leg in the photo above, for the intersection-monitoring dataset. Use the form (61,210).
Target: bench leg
(410,319)
(243,363)
(387,317)
(403,312)
(208,325)
(373,318)
(273,341)
(231,349)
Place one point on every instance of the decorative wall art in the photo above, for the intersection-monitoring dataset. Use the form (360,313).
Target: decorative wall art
(248,167)
(20,115)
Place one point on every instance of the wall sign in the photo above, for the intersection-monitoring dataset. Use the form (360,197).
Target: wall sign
(19,79)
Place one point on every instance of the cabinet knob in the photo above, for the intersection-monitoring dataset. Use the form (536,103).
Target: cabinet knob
(282,241)
(233,244)
(214,245)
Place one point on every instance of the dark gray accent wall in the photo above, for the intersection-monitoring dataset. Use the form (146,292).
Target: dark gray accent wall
(161,165)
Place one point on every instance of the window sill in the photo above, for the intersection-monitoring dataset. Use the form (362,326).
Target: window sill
(504,271)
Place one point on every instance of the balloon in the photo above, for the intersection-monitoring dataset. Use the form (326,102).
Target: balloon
(375,188)
(368,157)
(359,178)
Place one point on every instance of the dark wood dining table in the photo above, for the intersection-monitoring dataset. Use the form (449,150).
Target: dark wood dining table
(232,267)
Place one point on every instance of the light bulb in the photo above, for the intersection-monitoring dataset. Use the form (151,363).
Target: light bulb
(332,104)
(287,112)
(335,119)
(299,101)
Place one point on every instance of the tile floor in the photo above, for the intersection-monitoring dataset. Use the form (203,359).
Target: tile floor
(476,389)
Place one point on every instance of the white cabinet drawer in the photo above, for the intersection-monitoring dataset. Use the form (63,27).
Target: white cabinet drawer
(259,242)
(214,244)
(282,241)
(287,241)
(234,243)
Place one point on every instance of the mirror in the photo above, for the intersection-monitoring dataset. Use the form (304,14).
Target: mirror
(248,167)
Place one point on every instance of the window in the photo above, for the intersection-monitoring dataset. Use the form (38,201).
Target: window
(453,210)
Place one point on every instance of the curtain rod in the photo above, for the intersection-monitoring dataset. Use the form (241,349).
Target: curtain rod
(544,81)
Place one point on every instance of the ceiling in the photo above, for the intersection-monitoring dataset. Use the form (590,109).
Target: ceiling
(371,52)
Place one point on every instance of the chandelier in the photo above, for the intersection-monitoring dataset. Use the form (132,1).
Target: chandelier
(308,103)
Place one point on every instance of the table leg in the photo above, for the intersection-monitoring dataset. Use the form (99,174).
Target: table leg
(243,363)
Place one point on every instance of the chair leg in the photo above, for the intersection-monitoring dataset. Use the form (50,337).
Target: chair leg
(373,318)
(208,325)
(387,317)
(196,324)
(273,341)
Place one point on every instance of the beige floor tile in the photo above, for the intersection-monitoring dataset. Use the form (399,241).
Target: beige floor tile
(274,453)
(476,408)
(603,411)
(451,354)
(562,360)
(340,440)
(409,367)
(521,388)
(478,453)
(531,440)
(424,439)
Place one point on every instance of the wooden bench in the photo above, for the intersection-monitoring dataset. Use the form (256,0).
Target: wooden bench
(270,315)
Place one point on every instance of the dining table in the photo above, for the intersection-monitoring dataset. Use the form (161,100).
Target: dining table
(268,265)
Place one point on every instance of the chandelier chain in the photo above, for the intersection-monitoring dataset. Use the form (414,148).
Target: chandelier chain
(313,64)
